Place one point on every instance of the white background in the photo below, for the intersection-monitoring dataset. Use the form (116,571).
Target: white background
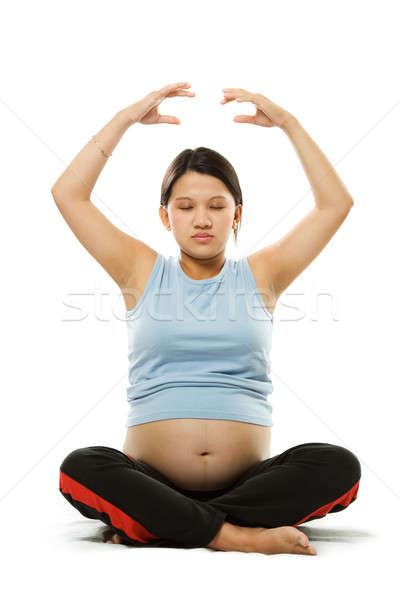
(67,68)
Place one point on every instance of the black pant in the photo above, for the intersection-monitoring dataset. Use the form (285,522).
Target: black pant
(136,501)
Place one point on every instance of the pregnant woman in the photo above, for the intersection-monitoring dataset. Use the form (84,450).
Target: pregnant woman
(195,469)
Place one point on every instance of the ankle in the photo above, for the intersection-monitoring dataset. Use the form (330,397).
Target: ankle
(230,537)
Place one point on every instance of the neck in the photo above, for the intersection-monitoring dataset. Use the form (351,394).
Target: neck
(201,268)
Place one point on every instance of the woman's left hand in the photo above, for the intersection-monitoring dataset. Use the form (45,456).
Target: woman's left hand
(267,114)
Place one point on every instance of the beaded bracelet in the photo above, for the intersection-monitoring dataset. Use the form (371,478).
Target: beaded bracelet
(105,154)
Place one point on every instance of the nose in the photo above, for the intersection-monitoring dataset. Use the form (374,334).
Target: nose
(201,219)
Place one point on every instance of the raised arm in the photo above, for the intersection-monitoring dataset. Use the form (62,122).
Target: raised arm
(281,262)
(285,259)
(117,252)
(111,247)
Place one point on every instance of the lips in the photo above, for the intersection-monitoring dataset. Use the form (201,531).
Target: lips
(202,235)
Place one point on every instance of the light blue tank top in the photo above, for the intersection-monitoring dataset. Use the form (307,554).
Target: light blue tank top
(199,349)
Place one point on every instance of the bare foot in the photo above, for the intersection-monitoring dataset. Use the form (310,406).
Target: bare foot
(276,540)
(285,540)
(116,539)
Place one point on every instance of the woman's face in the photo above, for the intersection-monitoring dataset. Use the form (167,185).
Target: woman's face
(200,203)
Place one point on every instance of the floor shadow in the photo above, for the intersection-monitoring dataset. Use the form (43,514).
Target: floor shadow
(335,534)
(100,534)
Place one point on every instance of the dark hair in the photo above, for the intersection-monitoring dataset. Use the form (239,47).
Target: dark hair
(202,160)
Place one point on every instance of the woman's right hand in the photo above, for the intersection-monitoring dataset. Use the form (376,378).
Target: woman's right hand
(145,111)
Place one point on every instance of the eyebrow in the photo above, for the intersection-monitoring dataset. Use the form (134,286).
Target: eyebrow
(187,198)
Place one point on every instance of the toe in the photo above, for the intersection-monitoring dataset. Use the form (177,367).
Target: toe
(304,541)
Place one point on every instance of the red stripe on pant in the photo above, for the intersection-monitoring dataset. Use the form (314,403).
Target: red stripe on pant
(344,500)
(118,518)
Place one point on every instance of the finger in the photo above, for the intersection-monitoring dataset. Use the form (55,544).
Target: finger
(180,93)
(172,91)
(226,100)
(229,95)
(244,119)
(169,119)
(239,97)
(167,89)
(235,91)
(177,85)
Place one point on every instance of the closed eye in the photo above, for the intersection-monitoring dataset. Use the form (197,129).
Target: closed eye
(190,207)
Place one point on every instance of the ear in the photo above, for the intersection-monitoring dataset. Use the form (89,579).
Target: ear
(238,212)
(163,216)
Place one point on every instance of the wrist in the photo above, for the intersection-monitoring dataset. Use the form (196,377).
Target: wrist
(124,118)
(290,123)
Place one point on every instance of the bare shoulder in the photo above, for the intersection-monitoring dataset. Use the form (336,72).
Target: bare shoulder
(260,263)
(143,260)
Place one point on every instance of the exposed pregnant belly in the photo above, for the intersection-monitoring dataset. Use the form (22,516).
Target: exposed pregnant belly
(199,454)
